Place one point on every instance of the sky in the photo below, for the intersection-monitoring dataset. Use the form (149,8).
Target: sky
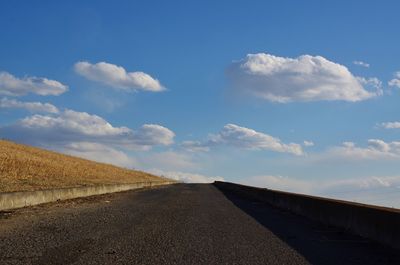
(300,96)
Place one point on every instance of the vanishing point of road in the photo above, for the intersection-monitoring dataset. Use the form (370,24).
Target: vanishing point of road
(177,224)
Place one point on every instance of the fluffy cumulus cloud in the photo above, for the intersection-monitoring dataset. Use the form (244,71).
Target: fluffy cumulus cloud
(72,127)
(305,78)
(13,86)
(375,150)
(395,82)
(250,139)
(390,125)
(242,137)
(361,63)
(117,77)
(186,177)
(6,103)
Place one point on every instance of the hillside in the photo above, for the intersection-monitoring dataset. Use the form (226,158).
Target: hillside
(25,168)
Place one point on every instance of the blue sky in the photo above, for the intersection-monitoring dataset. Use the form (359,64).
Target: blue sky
(210,90)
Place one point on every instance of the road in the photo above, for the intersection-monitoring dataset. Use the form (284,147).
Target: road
(178,224)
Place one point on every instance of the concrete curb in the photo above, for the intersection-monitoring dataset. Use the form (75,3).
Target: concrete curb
(377,223)
(13,200)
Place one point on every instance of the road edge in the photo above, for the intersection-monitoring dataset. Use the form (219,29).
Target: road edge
(14,200)
(377,223)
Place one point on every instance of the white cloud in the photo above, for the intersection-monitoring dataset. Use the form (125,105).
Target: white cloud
(280,183)
(71,127)
(186,177)
(372,83)
(395,82)
(361,63)
(168,161)
(154,134)
(306,78)
(30,106)
(195,146)
(13,86)
(250,139)
(308,143)
(391,125)
(376,190)
(99,153)
(117,77)
(375,150)
(241,137)
(351,185)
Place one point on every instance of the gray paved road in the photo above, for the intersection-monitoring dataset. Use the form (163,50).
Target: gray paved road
(179,224)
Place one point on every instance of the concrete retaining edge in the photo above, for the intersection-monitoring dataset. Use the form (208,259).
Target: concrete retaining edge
(13,200)
(377,223)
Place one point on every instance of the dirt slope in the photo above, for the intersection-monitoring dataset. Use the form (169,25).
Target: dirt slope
(24,168)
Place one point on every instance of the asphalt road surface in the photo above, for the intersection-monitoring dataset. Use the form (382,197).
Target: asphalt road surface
(178,224)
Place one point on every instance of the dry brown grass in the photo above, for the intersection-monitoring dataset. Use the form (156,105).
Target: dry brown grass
(24,168)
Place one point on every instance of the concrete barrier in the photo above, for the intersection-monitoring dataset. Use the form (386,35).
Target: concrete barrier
(12,200)
(377,223)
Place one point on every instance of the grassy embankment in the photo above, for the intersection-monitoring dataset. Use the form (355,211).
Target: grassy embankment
(26,168)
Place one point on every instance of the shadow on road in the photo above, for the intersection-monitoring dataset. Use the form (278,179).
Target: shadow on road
(318,243)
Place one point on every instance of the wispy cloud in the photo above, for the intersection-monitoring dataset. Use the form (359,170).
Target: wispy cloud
(100,153)
(195,146)
(376,190)
(186,177)
(168,161)
(390,125)
(308,143)
(242,137)
(282,183)
(361,63)
(30,106)
(376,149)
